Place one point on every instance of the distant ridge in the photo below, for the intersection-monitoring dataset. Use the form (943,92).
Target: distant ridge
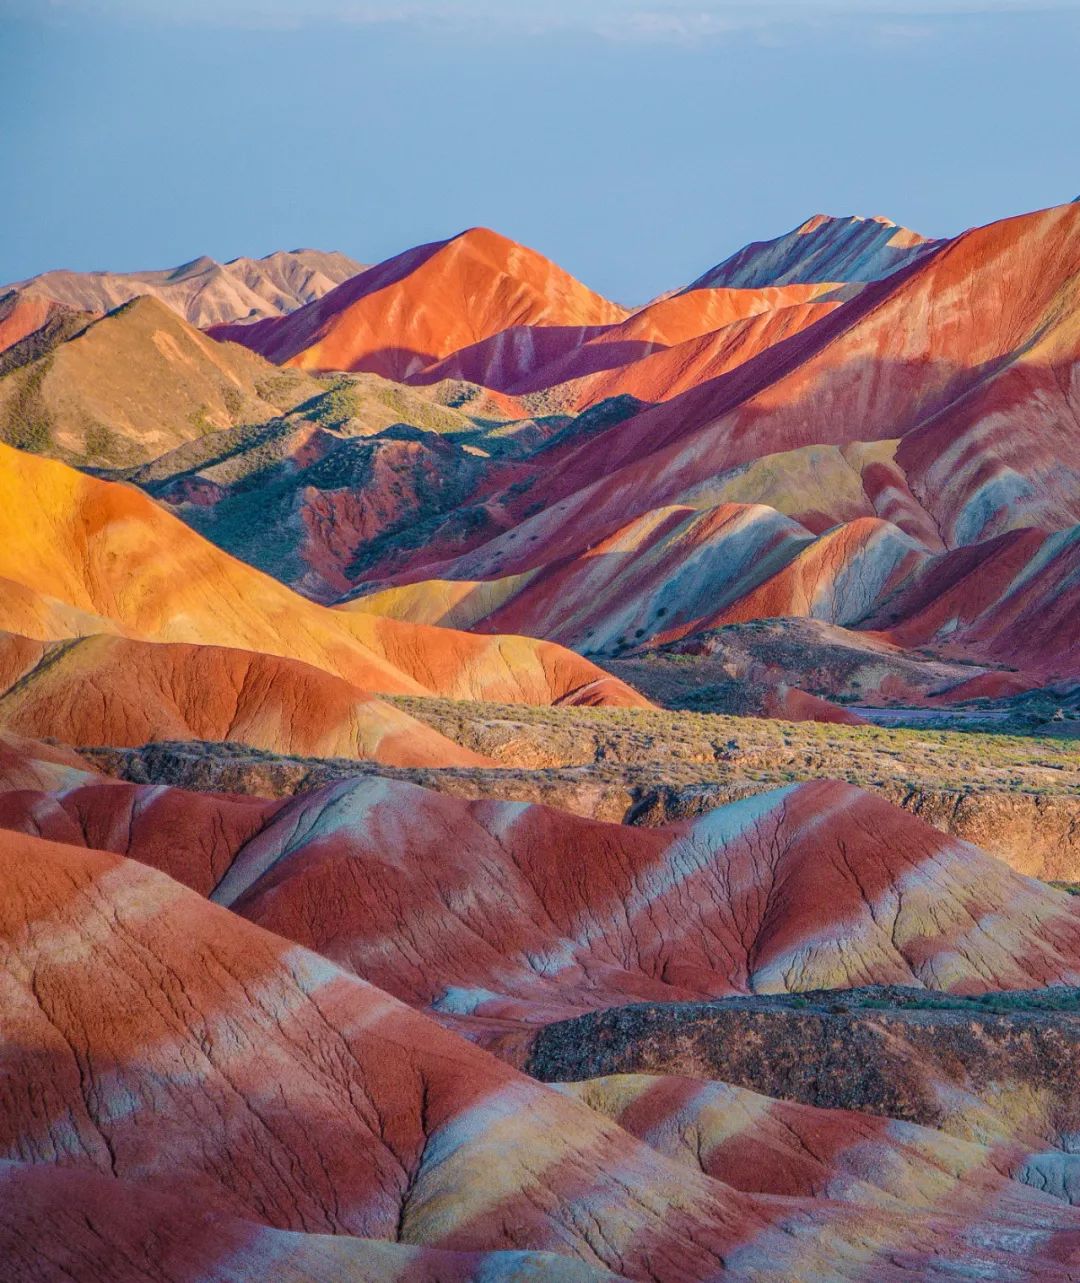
(823,248)
(203,291)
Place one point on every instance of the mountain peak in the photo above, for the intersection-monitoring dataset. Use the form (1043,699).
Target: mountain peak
(824,248)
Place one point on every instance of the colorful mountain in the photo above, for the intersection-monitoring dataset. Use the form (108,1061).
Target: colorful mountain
(822,249)
(420,306)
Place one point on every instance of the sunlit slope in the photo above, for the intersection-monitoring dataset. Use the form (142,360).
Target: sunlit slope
(85,555)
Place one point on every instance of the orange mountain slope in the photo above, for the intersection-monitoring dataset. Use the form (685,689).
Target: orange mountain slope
(420,306)
(528,358)
(79,555)
(104,690)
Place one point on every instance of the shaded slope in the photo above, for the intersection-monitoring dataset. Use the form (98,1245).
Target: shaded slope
(526,359)
(57,1224)
(309,504)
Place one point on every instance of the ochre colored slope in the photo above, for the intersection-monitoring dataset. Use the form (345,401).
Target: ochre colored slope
(114,691)
(137,383)
(92,556)
(412,310)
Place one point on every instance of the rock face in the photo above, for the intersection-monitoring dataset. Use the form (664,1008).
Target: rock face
(993,1071)
(203,291)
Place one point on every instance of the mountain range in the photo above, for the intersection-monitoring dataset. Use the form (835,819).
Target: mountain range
(497,784)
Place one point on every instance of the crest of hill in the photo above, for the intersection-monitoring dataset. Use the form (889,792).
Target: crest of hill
(80,555)
(134,384)
(204,291)
(418,307)
(822,249)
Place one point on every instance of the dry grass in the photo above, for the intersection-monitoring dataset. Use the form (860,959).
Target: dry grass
(685,746)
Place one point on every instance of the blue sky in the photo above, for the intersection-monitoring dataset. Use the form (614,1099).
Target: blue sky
(635,141)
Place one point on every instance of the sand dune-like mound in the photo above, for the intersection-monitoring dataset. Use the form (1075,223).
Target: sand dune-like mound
(83,556)
(766,1145)
(420,306)
(114,691)
(489,912)
(812,886)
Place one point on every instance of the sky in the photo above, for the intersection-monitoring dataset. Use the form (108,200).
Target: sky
(636,142)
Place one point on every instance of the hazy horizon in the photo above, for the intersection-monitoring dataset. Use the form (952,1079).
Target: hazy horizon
(634,144)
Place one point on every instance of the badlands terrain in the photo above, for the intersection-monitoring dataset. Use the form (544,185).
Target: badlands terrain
(501,784)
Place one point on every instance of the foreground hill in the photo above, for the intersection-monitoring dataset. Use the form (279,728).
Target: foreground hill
(203,291)
(154,1041)
(492,913)
(79,556)
(158,1039)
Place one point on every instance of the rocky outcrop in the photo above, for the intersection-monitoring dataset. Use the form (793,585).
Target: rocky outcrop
(989,1069)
